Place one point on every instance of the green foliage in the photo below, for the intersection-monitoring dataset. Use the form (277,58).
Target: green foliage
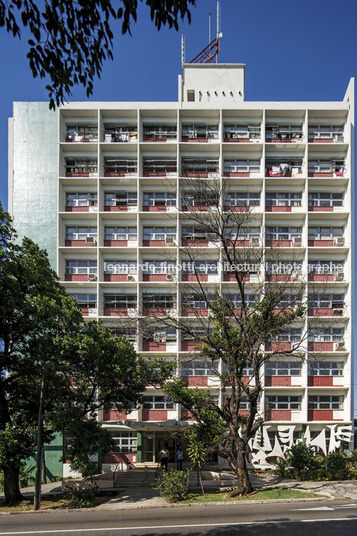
(70,41)
(81,497)
(1,481)
(27,477)
(282,467)
(335,466)
(302,458)
(173,486)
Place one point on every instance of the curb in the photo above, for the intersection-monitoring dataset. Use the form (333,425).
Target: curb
(174,505)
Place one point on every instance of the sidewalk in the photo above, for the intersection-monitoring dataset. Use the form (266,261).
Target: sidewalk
(146,497)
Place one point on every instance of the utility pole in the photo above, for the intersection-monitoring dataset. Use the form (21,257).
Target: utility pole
(37,499)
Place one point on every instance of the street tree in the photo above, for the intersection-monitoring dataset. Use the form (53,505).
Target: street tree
(70,41)
(236,326)
(56,371)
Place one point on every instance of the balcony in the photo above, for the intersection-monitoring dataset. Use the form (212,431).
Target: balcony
(327,168)
(199,167)
(241,133)
(82,133)
(325,202)
(283,134)
(83,167)
(120,305)
(283,167)
(158,305)
(199,133)
(120,167)
(282,202)
(78,202)
(157,167)
(159,133)
(119,133)
(241,168)
(120,201)
(120,237)
(326,134)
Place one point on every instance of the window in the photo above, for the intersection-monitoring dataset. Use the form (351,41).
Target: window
(327,301)
(200,267)
(283,368)
(326,334)
(325,402)
(82,133)
(196,301)
(161,335)
(159,233)
(282,164)
(199,165)
(120,233)
(325,267)
(282,132)
(236,299)
(325,233)
(120,267)
(241,166)
(121,198)
(85,300)
(289,301)
(190,131)
(124,165)
(81,199)
(283,267)
(325,368)
(157,402)
(120,301)
(158,267)
(81,165)
(159,132)
(198,368)
(159,199)
(241,131)
(194,233)
(326,131)
(283,233)
(289,402)
(242,199)
(119,133)
(163,301)
(80,233)
(124,331)
(283,199)
(124,442)
(245,371)
(291,335)
(159,165)
(81,267)
(191,95)
(200,199)
(327,166)
(325,199)
(241,233)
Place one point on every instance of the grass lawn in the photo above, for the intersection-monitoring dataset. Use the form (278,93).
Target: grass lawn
(267,494)
(46,504)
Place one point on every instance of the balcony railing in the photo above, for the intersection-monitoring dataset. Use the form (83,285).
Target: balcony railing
(283,134)
(199,133)
(84,167)
(119,133)
(82,133)
(157,167)
(160,133)
(283,167)
(244,133)
(119,167)
(199,167)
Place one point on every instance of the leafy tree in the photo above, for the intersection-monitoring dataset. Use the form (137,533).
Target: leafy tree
(233,336)
(69,41)
(56,370)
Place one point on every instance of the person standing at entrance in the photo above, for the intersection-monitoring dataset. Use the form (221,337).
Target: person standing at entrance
(179,458)
(164,458)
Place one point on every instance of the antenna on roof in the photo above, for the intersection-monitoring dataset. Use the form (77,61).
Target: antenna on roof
(182,49)
(210,53)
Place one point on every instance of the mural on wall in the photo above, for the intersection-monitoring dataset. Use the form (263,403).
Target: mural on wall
(263,448)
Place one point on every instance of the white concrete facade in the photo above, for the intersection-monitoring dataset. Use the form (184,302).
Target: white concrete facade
(121,172)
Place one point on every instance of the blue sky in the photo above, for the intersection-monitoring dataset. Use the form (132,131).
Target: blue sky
(303,50)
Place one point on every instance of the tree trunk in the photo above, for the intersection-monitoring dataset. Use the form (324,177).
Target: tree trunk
(244,487)
(11,484)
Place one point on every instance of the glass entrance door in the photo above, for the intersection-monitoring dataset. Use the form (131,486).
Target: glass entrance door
(148,447)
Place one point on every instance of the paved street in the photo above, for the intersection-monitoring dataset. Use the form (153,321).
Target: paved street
(325,518)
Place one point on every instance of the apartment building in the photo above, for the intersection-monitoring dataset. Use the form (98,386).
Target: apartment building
(105,187)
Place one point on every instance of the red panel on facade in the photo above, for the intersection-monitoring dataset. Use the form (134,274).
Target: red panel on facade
(115,277)
(188,346)
(122,208)
(188,311)
(154,311)
(194,277)
(77,209)
(329,174)
(154,415)
(320,209)
(278,277)
(278,243)
(154,277)
(277,209)
(77,243)
(154,243)
(321,243)
(319,311)
(76,277)
(279,346)
(320,346)
(153,346)
(115,311)
(150,208)
(116,243)
(320,381)
(194,243)
(196,381)
(114,415)
(321,277)
(282,381)
(320,415)
(278,415)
